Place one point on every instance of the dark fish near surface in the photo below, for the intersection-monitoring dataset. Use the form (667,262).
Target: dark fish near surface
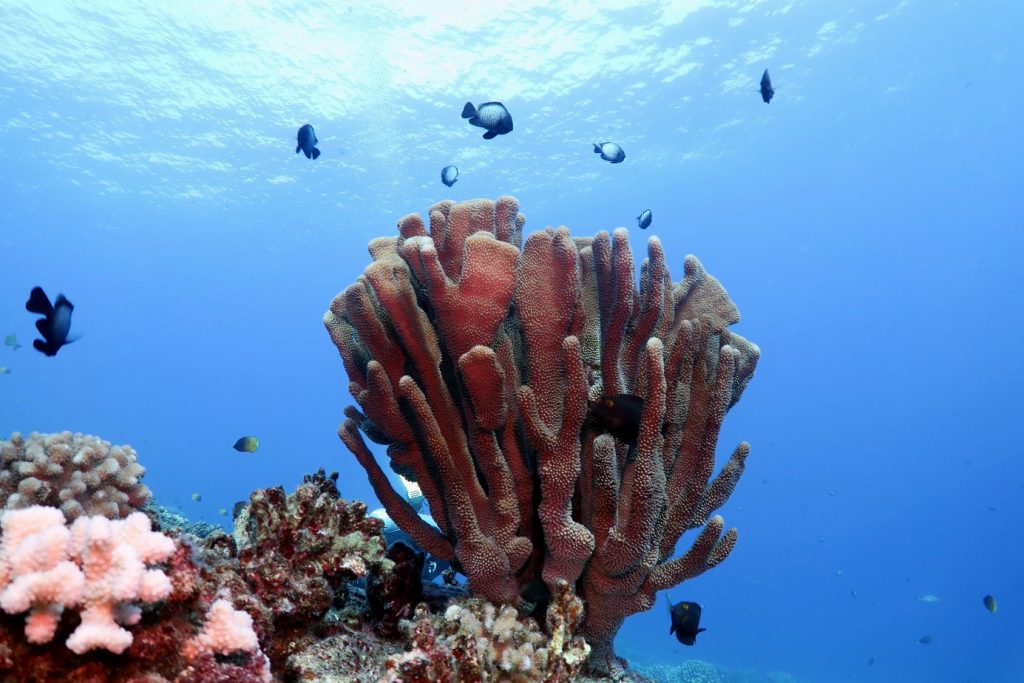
(925,640)
(247,444)
(619,415)
(609,151)
(55,324)
(307,142)
(767,92)
(490,115)
(990,603)
(644,219)
(12,341)
(449,174)
(685,621)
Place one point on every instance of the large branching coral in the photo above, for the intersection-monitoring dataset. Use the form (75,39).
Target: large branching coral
(475,358)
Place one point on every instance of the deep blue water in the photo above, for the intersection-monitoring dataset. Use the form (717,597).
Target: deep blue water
(868,223)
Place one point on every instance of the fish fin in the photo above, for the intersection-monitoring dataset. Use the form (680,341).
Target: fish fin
(701,630)
(38,302)
(43,347)
(316,153)
(597,148)
(671,629)
(43,325)
(63,301)
(468,110)
(309,155)
(298,148)
(72,339)
(490,135)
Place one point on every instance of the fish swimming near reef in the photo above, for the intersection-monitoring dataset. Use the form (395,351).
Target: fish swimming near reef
(247,444)
(685,621)
(644,219)
(619,415)
(490,115)
(767,91)
(988,600)
(609,151)
(449,174)
(12,341)
(307,142)
(55,324)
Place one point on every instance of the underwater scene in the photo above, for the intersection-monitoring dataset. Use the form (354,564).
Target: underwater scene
(411,341)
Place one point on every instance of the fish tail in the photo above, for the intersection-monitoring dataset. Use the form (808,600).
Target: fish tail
(38,302)
(468,110)
(316,153)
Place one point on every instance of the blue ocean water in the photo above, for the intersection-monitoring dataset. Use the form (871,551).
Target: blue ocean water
(868,223)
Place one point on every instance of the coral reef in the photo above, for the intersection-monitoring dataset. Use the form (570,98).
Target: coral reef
(477,641)
(97,565)
(80,474)
(475,357)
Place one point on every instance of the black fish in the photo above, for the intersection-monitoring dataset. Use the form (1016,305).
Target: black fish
(925,640)
(990,603)
(619,415)
(644,219)
(55,324)
(685,621)
(490,115)
(307,142)
(767,92)
(449,174)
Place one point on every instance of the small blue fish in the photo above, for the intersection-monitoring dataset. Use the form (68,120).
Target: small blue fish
(767,91)
(609,151)
(55,324)
(449,174)
(12,341)
(644,219)
(490,115)
(307,142)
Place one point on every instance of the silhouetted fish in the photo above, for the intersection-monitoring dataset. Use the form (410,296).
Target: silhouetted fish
(490,115)
(449,174)
(55,324)
(609,151)
(619,415)
(685,621)
(767,92)
(990,603)
(644,219)
(307,142)
(925,640)
(247,444)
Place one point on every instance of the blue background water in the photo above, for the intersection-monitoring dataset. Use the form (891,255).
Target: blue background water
(867,222)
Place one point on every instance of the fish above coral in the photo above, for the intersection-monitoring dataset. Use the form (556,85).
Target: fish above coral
(307,142)
(493,116)
(449,174)
(610,152)
(55,325)
(767,91)
(247,444)
(643,221)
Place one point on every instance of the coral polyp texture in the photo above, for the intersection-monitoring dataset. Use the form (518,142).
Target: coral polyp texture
(80,474)
(475,640)
(96,565)
(475,358)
